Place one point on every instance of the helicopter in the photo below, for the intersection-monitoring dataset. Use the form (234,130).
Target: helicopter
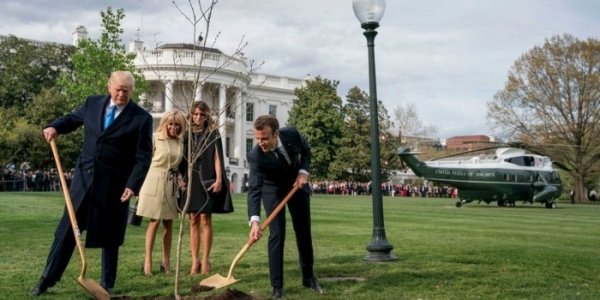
(505,176)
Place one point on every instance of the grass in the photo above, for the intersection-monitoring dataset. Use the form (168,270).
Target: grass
(475,252)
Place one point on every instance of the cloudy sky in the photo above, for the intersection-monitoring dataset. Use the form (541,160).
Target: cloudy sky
(448,57)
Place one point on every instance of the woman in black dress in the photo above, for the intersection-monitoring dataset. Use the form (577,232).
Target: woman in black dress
(209,186)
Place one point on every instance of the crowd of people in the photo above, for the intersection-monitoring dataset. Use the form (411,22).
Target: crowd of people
(25,179)
(387,189)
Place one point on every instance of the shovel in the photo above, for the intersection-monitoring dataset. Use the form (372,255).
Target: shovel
(97,291)
(218,281)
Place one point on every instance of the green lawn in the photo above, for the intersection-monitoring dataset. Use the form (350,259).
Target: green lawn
(475,252)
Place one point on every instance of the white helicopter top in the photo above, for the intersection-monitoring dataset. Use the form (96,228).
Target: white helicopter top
(504,158)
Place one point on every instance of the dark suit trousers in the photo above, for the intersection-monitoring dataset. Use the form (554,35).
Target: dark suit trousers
(62,248)
(299,207)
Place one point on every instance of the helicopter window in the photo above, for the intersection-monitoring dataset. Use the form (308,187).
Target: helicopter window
(525,161)
(529,161)
(515,160)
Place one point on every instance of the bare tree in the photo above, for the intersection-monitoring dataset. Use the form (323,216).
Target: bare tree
(410,127)
(552,97)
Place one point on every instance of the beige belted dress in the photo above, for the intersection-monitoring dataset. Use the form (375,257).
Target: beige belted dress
(158,195)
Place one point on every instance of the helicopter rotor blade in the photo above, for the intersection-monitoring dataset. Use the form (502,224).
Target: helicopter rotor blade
(466,152)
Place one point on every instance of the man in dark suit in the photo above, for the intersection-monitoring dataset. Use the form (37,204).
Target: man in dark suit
(280,160)
(114,160)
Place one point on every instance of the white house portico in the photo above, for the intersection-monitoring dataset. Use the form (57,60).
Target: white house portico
(178,74)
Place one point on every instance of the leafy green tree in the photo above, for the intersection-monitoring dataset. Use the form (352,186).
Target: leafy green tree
(8,136)
(96,59)
(317,114)
(26,68)
(552,99)
(353,157)
(45,107)
(21,137)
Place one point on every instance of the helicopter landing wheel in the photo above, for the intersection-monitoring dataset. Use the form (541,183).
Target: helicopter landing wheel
(553,205)
(458,204)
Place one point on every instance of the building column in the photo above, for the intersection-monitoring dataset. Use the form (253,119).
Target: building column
(223,118)
(239,140)
(198,92)
(168,95)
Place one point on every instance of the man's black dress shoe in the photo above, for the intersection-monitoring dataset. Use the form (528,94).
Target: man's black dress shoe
(313,284)
(41,287)
(277,293)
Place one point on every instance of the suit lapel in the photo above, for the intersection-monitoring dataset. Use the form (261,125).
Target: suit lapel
(289,148)
(100,109)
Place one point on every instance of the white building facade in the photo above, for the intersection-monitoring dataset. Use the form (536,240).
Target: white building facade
(178,74)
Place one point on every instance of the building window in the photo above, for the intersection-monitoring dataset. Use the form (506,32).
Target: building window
(249,112)
(273,110)
(226,147)
(249,145)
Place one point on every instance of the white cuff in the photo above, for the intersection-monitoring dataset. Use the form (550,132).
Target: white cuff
(254,218)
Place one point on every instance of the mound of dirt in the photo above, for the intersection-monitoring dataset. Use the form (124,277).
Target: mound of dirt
(231,295)
(228,295)
(201,288)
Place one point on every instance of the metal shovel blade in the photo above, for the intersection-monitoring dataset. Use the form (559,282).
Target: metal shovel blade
(93,288)
(218,281)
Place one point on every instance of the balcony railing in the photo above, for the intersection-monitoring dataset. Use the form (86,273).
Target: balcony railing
(187,58)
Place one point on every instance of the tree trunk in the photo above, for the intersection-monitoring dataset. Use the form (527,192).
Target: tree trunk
(580,190)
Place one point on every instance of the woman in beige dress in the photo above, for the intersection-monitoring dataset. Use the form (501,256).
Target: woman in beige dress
(158,195)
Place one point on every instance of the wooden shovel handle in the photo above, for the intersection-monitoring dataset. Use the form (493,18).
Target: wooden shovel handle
(263,226)
(70,209)
(279,207)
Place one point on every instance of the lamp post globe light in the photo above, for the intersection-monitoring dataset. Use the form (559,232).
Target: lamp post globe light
(369,12)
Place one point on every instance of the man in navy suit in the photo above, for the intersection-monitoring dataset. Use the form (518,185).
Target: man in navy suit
(114,160)
(280,160)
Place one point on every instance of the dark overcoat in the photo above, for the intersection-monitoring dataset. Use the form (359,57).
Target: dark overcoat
(110,161)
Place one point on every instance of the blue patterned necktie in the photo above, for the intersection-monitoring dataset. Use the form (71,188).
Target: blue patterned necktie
(110,116)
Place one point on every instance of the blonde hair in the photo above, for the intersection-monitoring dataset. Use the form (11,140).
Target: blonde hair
(175,116)
(123,77)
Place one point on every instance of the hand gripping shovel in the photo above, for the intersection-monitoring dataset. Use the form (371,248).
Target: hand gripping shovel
(88,284)
(217,281)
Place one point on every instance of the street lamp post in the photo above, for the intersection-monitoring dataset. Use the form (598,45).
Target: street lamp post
(369,12)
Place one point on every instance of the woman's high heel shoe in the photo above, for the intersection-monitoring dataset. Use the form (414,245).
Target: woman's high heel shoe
(163,269)
(192,272)
(206,269)
(144,271)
